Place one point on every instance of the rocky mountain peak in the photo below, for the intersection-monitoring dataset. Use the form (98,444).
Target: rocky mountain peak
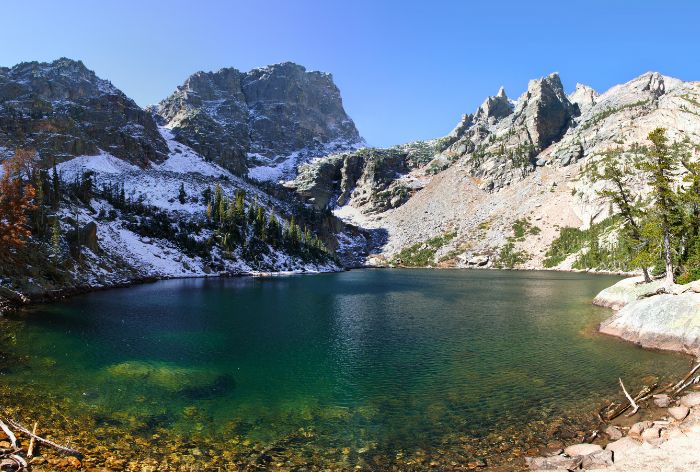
(494,108)
(63,109)
(259,118)
(583,96)
(544,110)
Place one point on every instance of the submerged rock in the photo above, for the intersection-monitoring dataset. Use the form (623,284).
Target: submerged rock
(191,382)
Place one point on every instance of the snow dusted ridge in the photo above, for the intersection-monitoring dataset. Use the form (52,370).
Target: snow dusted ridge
(287,168)
(158,186)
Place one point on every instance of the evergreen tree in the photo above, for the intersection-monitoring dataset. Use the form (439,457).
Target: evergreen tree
(223,205)
(240,206)
(56,237)
(181,195)
(55,189)
(660,165)
(615,172)
(218,197)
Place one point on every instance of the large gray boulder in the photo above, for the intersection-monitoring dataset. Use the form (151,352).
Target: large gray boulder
(670,322)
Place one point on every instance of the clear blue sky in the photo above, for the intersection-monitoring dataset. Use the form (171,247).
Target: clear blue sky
(406,70)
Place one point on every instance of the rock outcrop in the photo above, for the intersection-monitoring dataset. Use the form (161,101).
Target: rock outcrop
(374,180)
(259,118)
(62,109)
(584,97)
(669,322)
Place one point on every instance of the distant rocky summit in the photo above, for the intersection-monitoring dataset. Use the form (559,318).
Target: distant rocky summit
(273,117)
(509,178)
(63,110)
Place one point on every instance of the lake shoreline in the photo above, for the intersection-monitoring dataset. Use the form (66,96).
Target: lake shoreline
(11,301)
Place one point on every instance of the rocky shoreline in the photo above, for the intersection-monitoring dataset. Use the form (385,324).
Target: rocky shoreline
(662,436)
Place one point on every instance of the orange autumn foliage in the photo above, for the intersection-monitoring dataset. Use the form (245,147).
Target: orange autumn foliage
(16,200)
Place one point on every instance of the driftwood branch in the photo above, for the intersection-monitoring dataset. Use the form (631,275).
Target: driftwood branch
(30,449)
(9,433)
(59,447)
(684,382)
(635,407)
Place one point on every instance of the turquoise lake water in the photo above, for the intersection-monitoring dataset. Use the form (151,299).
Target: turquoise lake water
(381,360)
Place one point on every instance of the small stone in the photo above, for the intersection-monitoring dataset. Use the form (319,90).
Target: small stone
(581,449)
(651,433)
(690,400)
(613,433)
(662,401)
(679,412)
(554,463)
(622,446)
(597,460)
(637,428)
(70,461)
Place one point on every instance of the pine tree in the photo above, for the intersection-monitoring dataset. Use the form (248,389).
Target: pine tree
(218,197)
(221,212)
(660,165)
(38,214)
(55,189)
(56,237)
(615,172)
(181,195)
(240,206)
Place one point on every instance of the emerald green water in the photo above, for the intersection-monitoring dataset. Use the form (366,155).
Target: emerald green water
(380,360)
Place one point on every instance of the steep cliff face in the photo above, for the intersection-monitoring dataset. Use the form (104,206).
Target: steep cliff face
(509,165)
(63,110)
(268,120)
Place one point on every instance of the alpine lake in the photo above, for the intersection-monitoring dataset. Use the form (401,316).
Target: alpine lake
(390,369)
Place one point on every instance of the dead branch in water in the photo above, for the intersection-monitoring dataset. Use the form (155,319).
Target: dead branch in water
(630,399)
(30,449)
(614,410)
(9,433)
(687,381)
(59,447)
